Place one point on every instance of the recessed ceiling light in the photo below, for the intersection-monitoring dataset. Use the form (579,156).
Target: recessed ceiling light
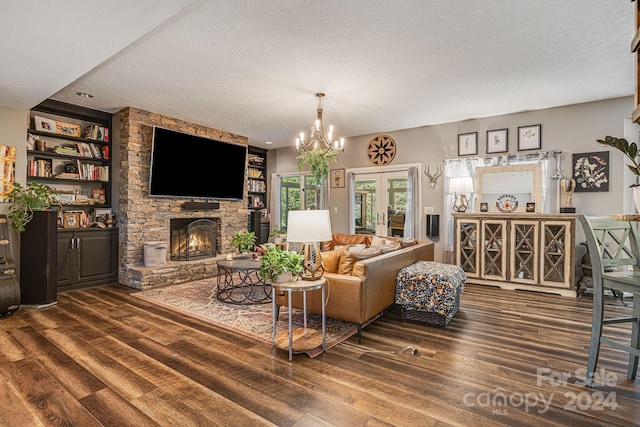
(84,94)
(268,142)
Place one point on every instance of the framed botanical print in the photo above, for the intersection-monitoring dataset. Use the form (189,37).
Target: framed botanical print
(529,137)
(337,178)
(467,144)
(591,171)
(497,141)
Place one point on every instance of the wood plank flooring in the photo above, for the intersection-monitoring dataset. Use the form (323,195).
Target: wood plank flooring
(515,358)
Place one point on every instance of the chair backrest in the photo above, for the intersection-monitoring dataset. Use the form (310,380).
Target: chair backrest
(612,244)
(396,220)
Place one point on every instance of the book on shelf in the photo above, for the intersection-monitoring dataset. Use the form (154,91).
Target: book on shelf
(68,175)
(99,133)
(66,150)
(41,167)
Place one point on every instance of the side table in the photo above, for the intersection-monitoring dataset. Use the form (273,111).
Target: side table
(299,339)
(248,288)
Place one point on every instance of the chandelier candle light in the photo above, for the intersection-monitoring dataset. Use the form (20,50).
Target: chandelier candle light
(318,139)
(309,228)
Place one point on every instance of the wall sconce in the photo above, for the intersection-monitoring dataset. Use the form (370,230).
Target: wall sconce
(460,187)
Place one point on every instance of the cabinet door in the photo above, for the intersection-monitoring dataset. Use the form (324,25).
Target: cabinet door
(523,246)
(66,259)
(467,241)
(97,255)
(555,256)
(493,254)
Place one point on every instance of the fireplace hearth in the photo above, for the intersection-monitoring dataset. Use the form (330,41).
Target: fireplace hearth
(194,238)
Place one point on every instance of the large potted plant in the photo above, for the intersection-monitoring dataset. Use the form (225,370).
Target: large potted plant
(279,265)
(277,234)
(27,199)
(244,240)
(631,152)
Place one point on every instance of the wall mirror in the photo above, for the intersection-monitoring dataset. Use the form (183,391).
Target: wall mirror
(509,188)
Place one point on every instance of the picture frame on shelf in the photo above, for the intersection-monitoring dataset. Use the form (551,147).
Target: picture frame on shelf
(97,193)
(467,144)
(66,198)
(44,125)
(529,137)
(68,129)
(497,141)
(337,178)
(531,207)
(70,220)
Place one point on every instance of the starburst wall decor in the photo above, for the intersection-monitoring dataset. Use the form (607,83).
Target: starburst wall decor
(381,150)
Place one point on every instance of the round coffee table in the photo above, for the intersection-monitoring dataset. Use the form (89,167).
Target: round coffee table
(239,282)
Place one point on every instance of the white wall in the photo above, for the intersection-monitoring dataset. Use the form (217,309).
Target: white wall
(570,129)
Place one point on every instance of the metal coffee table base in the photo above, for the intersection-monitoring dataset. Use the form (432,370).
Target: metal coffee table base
(239,283)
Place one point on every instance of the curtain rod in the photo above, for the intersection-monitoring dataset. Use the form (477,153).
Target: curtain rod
(540,155)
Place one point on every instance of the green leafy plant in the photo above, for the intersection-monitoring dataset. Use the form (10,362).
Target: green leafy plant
(244,240)
(629,150)
(319,161)
(276,231)
(276,261)
(26,199)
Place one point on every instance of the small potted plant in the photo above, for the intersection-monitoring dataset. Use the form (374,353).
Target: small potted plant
(278,234)
(244,240)
(279,265)
(27,199)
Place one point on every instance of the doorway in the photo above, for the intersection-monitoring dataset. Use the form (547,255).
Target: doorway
(382,203)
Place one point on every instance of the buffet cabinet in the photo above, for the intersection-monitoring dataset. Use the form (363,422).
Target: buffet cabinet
(517,251)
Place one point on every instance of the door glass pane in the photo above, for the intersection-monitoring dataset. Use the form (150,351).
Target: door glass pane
(289,197)
(397,206)
(312,189)
(366,215)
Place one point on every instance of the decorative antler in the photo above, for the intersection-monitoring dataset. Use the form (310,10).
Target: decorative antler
(433,179)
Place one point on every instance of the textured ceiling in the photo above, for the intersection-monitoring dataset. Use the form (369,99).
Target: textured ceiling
(252,67)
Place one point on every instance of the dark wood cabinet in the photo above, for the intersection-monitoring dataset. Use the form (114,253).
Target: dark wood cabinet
(87,257)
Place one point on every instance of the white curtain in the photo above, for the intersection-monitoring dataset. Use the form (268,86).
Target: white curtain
(351,202)
(412,216)
(274,200)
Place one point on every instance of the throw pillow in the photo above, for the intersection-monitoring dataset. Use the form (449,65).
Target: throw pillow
(408,241)
(331,260)
(378,241)
(365,253)
(390,247)
(346,262)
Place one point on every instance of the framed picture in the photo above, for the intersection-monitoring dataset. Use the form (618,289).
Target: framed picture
(467,144)
(97,193)
(484,207)
(497,141)
(531,207)
(591,172)
(337,178)
(529,137)
(70,220)
(45,125)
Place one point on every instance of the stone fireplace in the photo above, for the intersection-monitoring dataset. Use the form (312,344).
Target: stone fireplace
(143,219)
(193,238)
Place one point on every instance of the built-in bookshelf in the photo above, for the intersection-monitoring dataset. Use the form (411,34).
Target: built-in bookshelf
(68,147)
(256,178)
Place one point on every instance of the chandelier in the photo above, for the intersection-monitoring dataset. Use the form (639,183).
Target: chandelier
(318,140)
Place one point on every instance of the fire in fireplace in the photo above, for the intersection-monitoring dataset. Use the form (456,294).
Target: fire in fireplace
(194,238)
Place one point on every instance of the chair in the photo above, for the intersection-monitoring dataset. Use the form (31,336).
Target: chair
(613,245)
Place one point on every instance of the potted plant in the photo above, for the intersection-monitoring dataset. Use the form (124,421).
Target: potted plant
(319,161)
(278,234)
(244,240)
(279,265)
(26,199)
(631,152)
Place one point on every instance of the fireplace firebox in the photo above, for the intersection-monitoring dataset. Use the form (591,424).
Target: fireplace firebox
(194,238)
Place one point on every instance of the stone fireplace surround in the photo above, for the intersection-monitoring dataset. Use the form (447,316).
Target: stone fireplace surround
(144,219)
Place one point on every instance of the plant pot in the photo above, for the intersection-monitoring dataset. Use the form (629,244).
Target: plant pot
(278,240)
(636,197)
(284,277)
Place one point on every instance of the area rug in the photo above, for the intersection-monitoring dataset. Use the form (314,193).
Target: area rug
(198,299)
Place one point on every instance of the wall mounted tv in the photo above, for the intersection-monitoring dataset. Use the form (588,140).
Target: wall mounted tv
(184,165)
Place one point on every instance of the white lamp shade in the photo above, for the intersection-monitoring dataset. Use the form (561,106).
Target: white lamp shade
(462,184)
(308,226)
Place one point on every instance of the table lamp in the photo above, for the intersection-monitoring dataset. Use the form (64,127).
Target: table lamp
(460,187)
(308,228)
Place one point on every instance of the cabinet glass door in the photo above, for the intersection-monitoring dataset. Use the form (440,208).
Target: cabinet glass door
(494,258)
(524,247)
(467,253)
(555,263)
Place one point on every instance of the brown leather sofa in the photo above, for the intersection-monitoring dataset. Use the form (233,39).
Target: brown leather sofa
(359,289)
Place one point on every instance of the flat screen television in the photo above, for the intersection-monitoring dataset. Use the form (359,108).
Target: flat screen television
(185,165)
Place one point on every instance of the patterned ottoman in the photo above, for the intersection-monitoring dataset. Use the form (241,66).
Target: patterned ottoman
(430,291)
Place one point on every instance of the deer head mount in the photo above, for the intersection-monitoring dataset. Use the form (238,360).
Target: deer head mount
(433,179)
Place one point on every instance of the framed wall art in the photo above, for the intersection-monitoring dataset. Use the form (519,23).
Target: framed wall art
(497,141)
(45,125)
(529,137)
(467,144)
(337,178)
(591,171)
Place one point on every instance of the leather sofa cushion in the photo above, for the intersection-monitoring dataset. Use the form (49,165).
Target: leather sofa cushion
(346,262)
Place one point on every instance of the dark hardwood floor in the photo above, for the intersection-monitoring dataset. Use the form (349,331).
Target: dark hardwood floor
(102,357)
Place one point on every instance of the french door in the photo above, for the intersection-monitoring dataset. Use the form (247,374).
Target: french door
(381,203)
